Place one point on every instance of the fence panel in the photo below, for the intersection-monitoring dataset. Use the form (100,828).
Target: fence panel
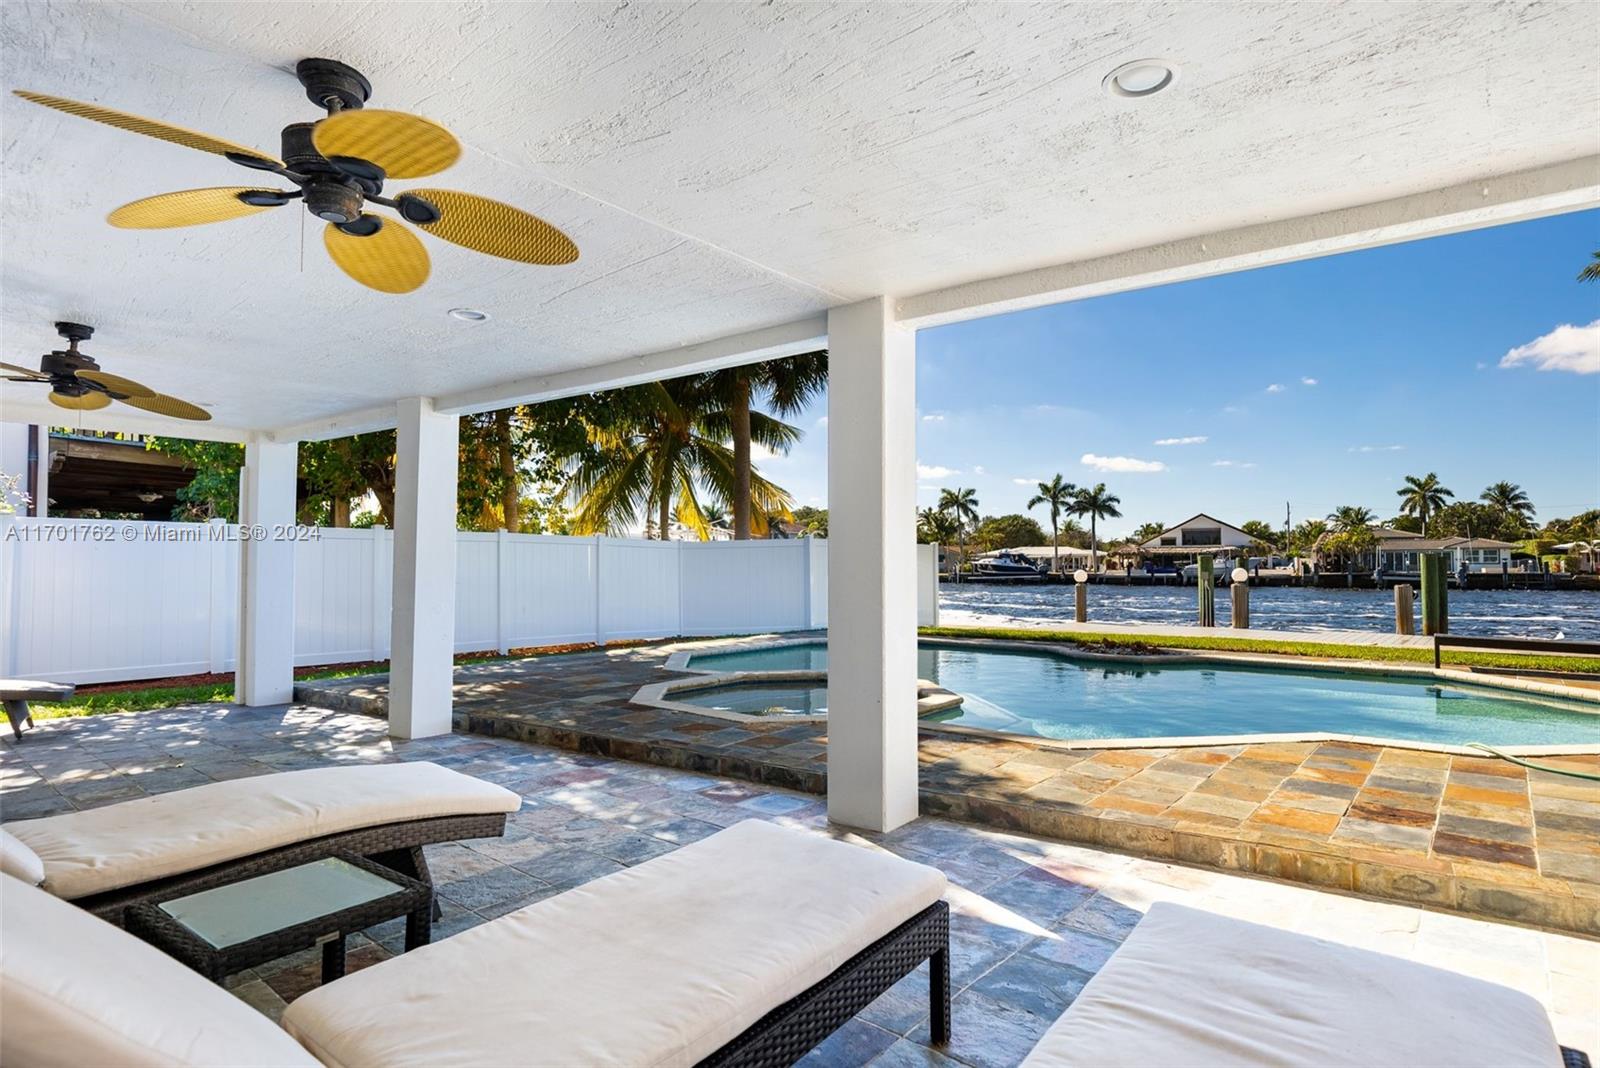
(638,596)
(548,584)
(335,597)
(743,587)
(104,601)
(478,591)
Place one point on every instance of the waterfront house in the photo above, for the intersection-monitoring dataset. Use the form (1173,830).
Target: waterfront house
(1199,535)
(1399,552)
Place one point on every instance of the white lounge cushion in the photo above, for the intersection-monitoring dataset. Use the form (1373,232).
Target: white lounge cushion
(18,861)
(76,991)
(1194,988)
(153,837)
(660,964)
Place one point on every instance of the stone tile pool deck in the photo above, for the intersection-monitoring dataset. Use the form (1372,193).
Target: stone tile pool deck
(1032,919)
(1466,833)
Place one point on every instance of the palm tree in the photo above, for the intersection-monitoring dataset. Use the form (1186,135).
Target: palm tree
(787,385)
(1059,496)
(1510,501)
(1421,496)
(1591,270)
(1349,517)
(935,526)
(659,445)
(961,505)
(1097,504)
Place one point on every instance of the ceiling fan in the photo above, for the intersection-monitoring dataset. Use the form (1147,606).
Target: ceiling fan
(76,381)
(338,165)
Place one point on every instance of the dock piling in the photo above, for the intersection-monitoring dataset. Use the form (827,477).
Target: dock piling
(1404,609)
(1435,609)
(1205,586)
(1080,597)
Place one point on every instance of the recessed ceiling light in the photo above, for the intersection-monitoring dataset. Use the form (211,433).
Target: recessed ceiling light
(1142,77)
(468,315)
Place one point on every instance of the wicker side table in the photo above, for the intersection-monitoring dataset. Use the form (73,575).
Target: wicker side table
(230,928)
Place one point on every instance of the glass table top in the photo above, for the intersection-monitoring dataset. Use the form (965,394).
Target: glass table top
(254,907)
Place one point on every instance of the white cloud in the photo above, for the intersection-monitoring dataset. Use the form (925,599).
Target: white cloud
(1231,463)
(1308,381)
(1375,448)
(1197,439)
(761,454)
(1276,387)
(1026,481)
(977,469)
(1122,464)
(1566,348)
(933,417)
(934,471)
(1233,409)
(822,422)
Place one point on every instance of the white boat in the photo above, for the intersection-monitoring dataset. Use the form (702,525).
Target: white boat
(1007,565)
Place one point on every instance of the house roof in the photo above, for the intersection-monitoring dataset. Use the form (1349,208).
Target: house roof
(1155,542)
(1415,544)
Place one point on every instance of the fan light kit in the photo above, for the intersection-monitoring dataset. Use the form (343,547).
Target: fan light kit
(1142,77)
(77,383)
(339,165)
(468,315)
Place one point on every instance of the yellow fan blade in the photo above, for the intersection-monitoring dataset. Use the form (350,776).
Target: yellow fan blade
(162,404)
(187,207)
(498,229)
(149,127)
(390,261)
(405,146)
(30,372)
(118,384)
(88,402)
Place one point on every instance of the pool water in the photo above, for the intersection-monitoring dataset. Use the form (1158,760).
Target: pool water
(778,699)
(1055,697)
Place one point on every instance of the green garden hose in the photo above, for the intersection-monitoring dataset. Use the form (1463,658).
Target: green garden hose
(1591,776)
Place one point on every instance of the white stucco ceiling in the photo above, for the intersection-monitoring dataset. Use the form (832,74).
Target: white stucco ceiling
(723,167)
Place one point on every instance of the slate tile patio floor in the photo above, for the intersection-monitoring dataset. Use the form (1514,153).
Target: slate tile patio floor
(1468,833)
(1033,919)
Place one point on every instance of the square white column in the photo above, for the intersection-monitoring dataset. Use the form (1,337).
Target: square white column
(264,673)
(423,620)
(872,568)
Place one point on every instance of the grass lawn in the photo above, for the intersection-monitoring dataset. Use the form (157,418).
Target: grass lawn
(1452,658)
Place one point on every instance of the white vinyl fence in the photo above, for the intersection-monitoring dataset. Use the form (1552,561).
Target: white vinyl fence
(85,600)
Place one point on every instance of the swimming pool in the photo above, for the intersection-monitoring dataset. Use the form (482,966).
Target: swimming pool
(1052,696)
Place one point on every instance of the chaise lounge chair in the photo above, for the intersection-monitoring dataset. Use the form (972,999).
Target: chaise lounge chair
(105,859)
(1193,988)
(746,948)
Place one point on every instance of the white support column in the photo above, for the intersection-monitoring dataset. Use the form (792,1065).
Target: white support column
(264,674)
(872,571)
(421,673)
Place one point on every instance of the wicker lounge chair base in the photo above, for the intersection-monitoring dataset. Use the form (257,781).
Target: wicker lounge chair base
(795,1028)
(396,845)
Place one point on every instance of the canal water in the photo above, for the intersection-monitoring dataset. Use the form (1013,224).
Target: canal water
(1570,614)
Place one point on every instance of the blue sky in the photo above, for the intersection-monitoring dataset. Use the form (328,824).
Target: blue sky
(1317,383)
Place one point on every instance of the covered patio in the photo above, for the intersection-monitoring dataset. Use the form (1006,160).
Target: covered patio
(1034,918)
(742,183)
